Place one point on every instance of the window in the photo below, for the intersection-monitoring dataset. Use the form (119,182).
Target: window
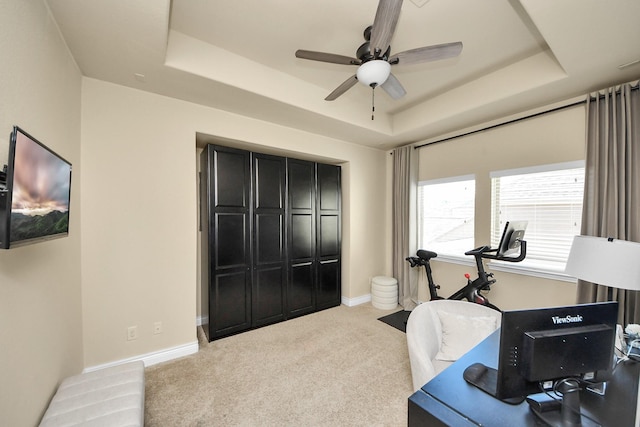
(550,198)
(446,211)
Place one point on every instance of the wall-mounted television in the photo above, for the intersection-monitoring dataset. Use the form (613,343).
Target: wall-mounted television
(35,190)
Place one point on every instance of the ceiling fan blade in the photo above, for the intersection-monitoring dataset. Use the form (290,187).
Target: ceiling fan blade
(348,84)
(393,87)
(427,53)
(384,25)
(326,57)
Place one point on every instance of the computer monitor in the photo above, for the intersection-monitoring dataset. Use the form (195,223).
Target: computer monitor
(542,347)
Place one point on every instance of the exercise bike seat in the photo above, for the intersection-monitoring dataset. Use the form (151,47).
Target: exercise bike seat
(425,254)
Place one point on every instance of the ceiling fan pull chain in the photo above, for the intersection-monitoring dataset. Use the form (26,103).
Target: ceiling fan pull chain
(373,101)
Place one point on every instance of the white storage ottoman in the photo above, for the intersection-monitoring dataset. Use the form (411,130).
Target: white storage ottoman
(384,292)
(107,397)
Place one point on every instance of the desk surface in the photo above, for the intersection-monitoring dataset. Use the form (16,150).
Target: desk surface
(449,400)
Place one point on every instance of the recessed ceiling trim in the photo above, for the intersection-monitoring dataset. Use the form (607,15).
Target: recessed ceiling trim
(205,60)
(529,74)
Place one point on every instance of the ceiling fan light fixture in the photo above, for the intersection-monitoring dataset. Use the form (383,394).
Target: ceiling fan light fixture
(373,73)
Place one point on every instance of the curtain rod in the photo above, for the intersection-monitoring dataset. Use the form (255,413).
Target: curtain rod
(553,110)
(502,124)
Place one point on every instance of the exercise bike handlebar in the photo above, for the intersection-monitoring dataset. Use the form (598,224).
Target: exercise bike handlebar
(488,253)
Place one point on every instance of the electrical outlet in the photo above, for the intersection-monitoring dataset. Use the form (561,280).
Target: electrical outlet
(157,328)
(132,333)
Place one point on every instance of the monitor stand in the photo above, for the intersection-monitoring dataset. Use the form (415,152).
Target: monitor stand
(486,379)
(568,413)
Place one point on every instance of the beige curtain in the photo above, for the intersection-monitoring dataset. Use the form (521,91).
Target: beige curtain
(611,205)
(404,224)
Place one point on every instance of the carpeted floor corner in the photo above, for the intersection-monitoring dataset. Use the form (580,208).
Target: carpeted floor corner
(336,367)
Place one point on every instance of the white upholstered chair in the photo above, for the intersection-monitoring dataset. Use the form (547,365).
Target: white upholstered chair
(439,332)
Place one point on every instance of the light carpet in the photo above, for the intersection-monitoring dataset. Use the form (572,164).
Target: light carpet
(336,367)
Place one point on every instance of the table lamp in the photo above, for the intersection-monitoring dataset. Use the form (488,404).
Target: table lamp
(609,262)
(605,261)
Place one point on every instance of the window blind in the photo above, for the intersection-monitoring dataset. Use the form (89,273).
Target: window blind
(550,200)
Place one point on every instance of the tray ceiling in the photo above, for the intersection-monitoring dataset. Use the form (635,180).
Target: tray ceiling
(239,57)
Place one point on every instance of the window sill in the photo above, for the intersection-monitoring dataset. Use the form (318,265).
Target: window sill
(506,267)
(531,271)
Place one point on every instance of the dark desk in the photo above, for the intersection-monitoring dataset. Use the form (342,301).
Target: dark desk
(448,400)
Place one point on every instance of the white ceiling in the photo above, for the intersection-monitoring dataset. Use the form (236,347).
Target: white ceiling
(239,56)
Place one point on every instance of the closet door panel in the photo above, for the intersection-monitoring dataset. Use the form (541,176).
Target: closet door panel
(230,239)
(303,239)
(301,184)
(270,181)
(329,236)
(228,242)
(269,297)
(328,294)
(329,187)
(301,291)
(230,311)
(269,284)
(269,238)
(231,171)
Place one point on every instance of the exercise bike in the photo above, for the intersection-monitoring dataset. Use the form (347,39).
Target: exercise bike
(510,243)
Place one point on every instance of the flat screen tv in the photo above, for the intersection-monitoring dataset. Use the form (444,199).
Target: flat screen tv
(35,194)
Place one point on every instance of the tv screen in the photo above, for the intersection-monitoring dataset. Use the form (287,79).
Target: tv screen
(37,192)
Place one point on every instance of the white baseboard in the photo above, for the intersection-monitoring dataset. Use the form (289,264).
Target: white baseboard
(153,358)
(350,302)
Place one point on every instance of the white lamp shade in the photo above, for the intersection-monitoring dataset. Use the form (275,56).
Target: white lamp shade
(373,72)
(607,262)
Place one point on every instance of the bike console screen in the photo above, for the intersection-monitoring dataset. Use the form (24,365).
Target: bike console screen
(512,237)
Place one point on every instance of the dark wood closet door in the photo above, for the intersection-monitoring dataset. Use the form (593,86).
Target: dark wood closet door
(228,225)
(270,266)
(328,236)
(271,236)
(302,237)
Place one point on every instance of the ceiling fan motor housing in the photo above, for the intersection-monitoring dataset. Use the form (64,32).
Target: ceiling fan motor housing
(364,53)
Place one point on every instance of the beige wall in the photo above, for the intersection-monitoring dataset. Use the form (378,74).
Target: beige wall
(139,200)
(40,306)
(550,138)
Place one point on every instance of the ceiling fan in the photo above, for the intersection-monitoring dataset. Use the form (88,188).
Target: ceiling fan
(373,60)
